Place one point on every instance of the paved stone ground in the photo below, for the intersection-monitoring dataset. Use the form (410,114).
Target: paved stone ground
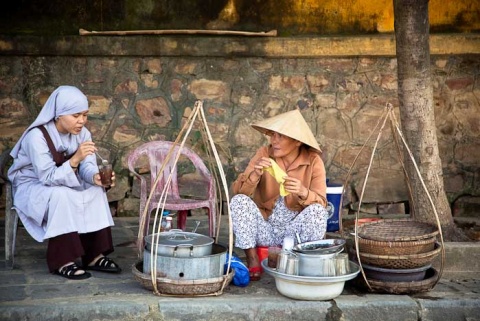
(29,292)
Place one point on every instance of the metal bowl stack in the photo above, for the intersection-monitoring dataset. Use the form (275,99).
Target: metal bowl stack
(316,279)
(317,258)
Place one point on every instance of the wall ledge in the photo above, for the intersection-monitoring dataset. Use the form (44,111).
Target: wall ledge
(219,46)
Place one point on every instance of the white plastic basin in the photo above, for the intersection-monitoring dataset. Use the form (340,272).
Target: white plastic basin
(311,288)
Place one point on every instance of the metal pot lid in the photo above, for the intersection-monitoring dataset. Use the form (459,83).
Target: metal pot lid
(178,237)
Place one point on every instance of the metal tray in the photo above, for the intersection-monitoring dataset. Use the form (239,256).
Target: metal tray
(320,247)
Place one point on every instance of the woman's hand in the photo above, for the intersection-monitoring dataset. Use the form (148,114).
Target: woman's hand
(259,166)
(295,186)
(85,149)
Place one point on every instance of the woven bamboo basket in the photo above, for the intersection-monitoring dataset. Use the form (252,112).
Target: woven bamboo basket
(409,261)
(396,247)
(181,287)
(397,230)
(425,285)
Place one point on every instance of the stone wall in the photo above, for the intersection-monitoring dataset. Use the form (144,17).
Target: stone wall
(140,92)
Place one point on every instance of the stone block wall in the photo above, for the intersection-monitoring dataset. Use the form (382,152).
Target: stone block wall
(140,93)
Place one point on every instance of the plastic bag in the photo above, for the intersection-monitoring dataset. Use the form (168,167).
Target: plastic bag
(242,276)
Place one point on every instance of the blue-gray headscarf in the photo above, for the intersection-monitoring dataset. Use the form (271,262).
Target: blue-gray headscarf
(65,100)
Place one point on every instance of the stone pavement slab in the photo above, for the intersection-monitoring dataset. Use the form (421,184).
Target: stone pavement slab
(29,292)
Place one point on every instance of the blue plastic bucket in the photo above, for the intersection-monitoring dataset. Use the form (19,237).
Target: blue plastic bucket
(334,204)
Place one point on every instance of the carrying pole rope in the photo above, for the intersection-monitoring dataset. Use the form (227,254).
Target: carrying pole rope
(197,112)
(225,186)
(362,194)
(163,198)
(143,228)
(395,131)
(426,192)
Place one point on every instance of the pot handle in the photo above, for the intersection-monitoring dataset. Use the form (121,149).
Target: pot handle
(183,245)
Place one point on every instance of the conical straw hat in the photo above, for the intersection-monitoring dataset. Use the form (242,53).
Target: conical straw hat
(291,124)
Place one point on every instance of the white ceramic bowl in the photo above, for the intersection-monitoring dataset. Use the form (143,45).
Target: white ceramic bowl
(310,288)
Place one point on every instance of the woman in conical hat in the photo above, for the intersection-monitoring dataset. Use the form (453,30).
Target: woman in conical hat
(282,191)
(57,191)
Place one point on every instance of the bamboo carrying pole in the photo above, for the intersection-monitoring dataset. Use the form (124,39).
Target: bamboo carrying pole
(271,33)
(175,152)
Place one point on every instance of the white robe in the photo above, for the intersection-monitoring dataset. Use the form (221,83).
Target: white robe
(52,200)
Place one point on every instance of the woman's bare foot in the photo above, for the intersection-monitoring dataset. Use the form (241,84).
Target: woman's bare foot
(95,260)
(253,264)
(103,264)
(77,272)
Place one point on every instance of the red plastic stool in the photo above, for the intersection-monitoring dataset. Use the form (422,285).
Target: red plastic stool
(262,252)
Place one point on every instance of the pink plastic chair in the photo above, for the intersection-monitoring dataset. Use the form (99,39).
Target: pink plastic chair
(156,151)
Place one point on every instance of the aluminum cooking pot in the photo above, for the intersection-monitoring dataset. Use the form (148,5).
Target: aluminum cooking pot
(188,268)
(177,243)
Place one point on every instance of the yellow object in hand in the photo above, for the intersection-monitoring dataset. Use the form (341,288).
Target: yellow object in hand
(278,174)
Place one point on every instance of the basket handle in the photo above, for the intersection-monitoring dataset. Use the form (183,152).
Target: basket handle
(400,134)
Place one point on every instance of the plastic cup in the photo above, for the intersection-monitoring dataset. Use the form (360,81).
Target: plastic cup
(282,261)
(288,243)
(105,171)
(273,252)
(292,265)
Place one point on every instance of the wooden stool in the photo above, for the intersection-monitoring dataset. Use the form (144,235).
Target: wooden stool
(11,217)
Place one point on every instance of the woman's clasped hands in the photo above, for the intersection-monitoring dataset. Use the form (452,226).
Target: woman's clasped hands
(292,185)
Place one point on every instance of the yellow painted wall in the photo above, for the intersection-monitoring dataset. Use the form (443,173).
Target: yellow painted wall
(288,17)
(346,16)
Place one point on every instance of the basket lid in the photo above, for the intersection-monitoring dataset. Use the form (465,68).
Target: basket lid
(397,230)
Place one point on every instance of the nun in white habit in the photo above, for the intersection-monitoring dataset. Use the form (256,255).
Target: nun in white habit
(57,190)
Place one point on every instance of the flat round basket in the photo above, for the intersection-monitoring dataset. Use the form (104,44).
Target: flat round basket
(397,230)
(425,285)
(181,287)
(396,247)
(410,261)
